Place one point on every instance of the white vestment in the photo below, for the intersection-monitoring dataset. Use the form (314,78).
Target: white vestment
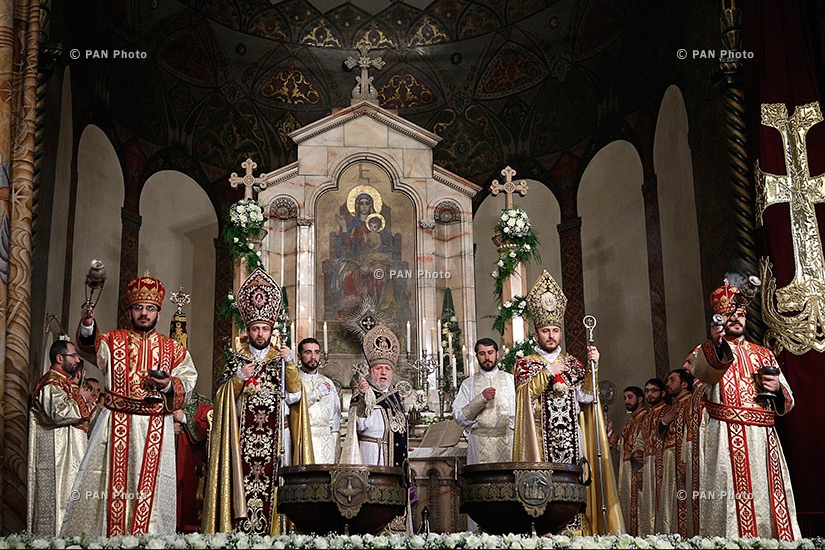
(489,423)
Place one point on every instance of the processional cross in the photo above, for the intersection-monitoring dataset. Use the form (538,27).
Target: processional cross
(180,299)
(364,90)
(801,191)
(248,180)
(509,187)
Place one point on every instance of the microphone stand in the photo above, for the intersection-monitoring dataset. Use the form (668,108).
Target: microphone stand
(590,322)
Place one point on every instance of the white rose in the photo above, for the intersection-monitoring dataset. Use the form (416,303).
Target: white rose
(506,229)
(501,263)
(129,542)
(321,543)
(512,254)
(662,543)
(520,224)
(357,541)
(40,543)
(494,274)
(243,218)
(529,543)
(508,304)
(519,353)
(511,222)
(156,543)
(417,541)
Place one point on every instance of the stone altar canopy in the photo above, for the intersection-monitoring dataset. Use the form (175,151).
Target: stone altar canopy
(365,216)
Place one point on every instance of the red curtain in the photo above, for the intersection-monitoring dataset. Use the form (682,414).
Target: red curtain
(782,70)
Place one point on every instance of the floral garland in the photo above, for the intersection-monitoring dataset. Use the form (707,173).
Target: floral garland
(244,223)
(229,308)
(509,356)
(517,307)
(520,245)
(427,541)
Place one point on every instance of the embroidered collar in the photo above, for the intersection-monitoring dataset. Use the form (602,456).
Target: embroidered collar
(549,357)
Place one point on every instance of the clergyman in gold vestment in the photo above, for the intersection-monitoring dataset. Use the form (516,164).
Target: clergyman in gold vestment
(245,441)
(60,410)
(550,386)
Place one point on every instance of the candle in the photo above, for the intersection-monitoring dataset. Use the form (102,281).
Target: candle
(408,336)
(432,341)
(438,330)
(450,342)
(455,374)
(326,344)
(292,335)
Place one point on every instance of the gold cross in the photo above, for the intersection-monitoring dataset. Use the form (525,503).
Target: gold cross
(364,90)
(248,180)
(801,191)
(509,187)
(180,299)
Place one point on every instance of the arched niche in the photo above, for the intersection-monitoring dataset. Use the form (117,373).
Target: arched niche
(365,249)
(679,227)
(614,262)
(97,227)
(177,246)
(543,209)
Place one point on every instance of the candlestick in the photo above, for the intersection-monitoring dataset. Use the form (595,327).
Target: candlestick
(326,344)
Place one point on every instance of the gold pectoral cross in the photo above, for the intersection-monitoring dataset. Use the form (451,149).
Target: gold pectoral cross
(803,295)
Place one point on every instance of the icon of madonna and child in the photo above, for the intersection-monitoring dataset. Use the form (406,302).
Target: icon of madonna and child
(364,254)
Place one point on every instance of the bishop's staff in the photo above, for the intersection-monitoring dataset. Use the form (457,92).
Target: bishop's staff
(590,323)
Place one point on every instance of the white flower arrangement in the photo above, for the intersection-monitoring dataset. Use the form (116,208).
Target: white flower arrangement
(417,541)
(246,214)
(514,223)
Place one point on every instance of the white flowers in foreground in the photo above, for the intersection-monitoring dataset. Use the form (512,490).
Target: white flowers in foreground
(432,540)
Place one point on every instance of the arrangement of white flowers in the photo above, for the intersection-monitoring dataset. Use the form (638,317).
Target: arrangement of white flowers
(247,215)
(245,222)
(521,245)
(514,223)
(428,541)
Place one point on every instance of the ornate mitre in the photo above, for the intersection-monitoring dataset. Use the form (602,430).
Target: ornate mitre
(722,300)
(546,302)
(381,346)
(145,290)
(259,299)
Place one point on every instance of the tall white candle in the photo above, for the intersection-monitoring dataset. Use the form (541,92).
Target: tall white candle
(450,342)
(408,335)
(455,374)
(326,343)
(292,335)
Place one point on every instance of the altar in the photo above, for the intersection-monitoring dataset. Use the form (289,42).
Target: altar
(365,228)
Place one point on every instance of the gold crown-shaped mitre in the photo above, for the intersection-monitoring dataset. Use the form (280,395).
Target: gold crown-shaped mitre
(145,290)
(381,346)
(546,302)
(259,299)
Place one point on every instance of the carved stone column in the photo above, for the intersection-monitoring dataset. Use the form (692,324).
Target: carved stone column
(129,248)
(570,237)
(656,276)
